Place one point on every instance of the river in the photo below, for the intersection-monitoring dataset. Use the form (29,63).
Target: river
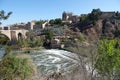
(54,60)
(2,53)
(50,61)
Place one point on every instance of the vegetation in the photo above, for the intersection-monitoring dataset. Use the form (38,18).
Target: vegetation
(49,34)
(92,17)
(81,37)
(4,16)
(83,18)
(57,30)
(108,63)
(40,22)
(116,33)
(56,21)
(95,14)
(15,68)
(4,40)
(23,43)
(32,40)
(34,43)
(30,36)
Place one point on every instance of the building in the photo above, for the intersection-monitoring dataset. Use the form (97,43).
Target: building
(106,15)
(75,18)
(68,16)
(17,26)
(30,25)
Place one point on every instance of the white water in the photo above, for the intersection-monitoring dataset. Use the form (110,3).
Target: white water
(53,60)
(49,61)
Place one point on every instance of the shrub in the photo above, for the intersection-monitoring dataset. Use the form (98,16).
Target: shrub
(23,43)
(81,37)
(13,67)
(49,34)
(108,61)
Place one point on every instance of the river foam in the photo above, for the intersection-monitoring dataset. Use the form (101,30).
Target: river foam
(54,60)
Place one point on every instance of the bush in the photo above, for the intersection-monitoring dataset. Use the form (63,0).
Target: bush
(108,63)
(13,67)
(23,43)
(56,21)
(81,37)
(49,34)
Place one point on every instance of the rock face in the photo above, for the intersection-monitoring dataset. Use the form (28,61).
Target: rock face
(110,26)
(95,31)
(107,26)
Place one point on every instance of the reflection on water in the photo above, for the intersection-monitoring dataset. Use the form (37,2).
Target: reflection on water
(49,61)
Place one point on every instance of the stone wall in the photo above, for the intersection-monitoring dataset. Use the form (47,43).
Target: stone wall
(106,15)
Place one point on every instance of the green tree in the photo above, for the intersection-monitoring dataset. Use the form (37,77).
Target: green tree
(4,16)
(56,21)
(94,15)
(108,63)
(40,22)
(49,34)
(32,39)
(30,36)
(83,18)
(23,43)
(116,33)
(51,21)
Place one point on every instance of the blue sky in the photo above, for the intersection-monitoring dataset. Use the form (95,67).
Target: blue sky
(27,10)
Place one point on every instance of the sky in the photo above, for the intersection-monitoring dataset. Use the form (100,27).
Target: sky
(28,10)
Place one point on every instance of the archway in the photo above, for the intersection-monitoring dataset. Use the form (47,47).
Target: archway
(4,40)
(20,36)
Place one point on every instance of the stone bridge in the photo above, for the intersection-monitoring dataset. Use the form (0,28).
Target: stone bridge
(14,34)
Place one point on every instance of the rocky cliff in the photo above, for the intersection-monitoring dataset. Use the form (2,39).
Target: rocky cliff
(105,26)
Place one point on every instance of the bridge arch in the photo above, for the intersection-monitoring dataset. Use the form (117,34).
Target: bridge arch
(6,33)
(3,35)
(20,35)
(14,34)
(4,39)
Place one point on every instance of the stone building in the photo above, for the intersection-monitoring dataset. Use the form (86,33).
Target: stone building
(106,15)
(30,25)
(17,26)
(68,16)
(40,26)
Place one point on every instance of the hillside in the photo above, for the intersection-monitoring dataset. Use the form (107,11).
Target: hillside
(95,26)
